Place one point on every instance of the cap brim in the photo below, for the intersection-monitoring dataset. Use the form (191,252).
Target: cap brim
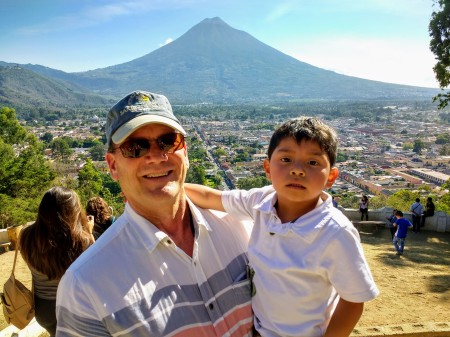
(128,128)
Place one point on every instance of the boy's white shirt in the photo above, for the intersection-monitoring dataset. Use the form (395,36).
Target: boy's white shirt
(300,267)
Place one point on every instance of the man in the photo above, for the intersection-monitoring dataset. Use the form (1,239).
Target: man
(165,267)
(417,210)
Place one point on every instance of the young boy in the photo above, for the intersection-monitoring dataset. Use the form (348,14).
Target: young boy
(402,226)
(310,274)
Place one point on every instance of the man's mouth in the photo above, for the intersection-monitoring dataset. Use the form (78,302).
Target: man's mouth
(157,175)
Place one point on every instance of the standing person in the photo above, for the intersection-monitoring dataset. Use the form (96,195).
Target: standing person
(402,226)
(310,275)
(59,235)
(417,211)
(335,203)
(102,213)
(364,207)
(165,267)
(429,210)
(391,220)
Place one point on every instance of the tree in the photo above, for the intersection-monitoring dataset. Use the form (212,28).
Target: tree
(418,146)
(61,149)
(252,182)
(90,183)
(439,30)
(97,151)
(196,174)
(24,173)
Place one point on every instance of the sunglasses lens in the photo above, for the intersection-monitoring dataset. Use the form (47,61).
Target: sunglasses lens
(135,148)
(171,142)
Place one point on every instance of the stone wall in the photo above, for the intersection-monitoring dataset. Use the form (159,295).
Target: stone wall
(439,222)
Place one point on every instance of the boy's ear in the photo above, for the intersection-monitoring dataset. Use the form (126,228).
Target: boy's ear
(267,168)
(334,173)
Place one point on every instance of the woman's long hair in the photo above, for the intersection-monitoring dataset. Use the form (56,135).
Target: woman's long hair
(59,235)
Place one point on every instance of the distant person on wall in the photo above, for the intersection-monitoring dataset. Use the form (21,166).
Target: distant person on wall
(335,203)
(102,213)
(392,218)
(310,276)
(429,210)
(402,226)
(364,207)
(59,235)
(417,211)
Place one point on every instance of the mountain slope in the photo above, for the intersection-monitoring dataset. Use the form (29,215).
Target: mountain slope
(213,62)
(25,90)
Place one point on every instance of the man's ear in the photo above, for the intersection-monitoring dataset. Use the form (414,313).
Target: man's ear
(267,168)
(334,173)
(111,160)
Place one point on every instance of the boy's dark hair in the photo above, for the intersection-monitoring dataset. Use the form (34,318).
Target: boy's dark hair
(399,213)
(306,128)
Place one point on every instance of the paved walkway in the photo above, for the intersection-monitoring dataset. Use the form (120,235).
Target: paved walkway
(32,330)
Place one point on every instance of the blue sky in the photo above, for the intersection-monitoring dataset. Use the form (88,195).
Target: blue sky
(385,40)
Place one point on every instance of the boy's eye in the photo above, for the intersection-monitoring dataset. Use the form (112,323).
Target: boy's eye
(285,160)
(313,162)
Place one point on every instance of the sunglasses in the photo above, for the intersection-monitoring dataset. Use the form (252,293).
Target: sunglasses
(138,147)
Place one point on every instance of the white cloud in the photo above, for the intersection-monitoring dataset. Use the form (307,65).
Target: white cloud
(282,9)
(393,61)
(167,41)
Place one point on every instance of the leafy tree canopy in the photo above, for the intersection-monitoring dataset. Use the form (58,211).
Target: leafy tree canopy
(439,30)
(24,173)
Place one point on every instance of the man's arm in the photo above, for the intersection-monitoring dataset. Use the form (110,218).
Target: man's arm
(204,197)
(344,319)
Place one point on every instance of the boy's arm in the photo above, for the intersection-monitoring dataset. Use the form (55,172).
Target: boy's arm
(344,319)
(204,197)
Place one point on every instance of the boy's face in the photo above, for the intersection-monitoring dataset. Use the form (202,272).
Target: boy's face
(299,172)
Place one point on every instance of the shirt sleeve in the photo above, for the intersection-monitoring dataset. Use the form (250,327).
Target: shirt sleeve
(348,269)
(241,203)
(75,311)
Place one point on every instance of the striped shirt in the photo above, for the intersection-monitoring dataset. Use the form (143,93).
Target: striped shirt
(134,281)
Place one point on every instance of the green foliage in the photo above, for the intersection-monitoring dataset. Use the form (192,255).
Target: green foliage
(61,148)
(97,151)
(402,200)
(443,204)
(196,174)
(90,182)
(418,146)
(24,173)
(439,30)
(252,182)
(444,150)
(219,152)
(407,146)
(443,138)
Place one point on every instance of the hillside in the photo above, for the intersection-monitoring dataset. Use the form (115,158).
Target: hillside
(215,63)
(26,90)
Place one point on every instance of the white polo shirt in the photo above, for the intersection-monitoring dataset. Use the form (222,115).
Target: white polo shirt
(301,268)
